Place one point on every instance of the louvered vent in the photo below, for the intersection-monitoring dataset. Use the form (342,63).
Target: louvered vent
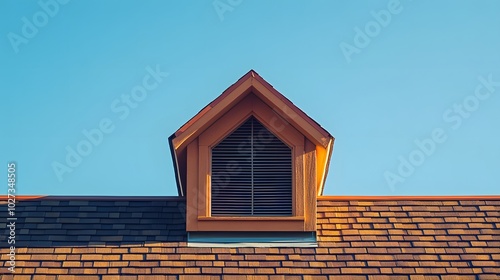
(251,173)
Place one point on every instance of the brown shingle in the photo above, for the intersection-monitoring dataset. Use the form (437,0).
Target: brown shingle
(52,277)
(347,277)
(315,277)
(21,277)
(230,270)
(391,277)
(132,257)
(199,277)
(424,277)
(357,240)
(136,270)
(167,270)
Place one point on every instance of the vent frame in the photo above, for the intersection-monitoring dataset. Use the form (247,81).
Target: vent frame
(198,194)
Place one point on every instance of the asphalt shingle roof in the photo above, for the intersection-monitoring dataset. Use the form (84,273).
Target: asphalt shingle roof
(360,239)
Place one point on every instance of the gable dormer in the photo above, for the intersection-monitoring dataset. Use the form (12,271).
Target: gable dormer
(251,161)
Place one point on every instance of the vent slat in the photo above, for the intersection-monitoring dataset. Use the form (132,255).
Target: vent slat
(251,173)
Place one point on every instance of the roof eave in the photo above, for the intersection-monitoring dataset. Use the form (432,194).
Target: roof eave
(175,163)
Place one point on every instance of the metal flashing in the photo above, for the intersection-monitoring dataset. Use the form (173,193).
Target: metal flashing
(253,239)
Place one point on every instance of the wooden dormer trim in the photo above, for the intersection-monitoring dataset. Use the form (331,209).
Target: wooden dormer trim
(310,145)
(303,181)
(252,83)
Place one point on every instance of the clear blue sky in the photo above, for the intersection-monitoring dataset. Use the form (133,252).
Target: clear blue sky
(377,75)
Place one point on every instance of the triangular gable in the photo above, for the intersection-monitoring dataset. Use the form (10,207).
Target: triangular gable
(251,82)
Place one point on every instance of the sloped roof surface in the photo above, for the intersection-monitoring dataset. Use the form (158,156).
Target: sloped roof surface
(359,239)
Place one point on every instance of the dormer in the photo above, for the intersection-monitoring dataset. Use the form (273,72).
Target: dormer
(251,162)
